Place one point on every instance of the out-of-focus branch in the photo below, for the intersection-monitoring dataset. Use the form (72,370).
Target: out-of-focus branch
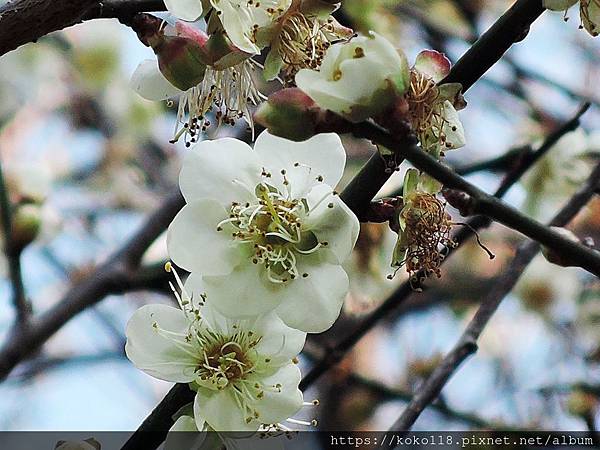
(467,344)
(12,251)
(404,292)
(119,274)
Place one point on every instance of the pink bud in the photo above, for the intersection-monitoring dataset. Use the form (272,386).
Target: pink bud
(289,113)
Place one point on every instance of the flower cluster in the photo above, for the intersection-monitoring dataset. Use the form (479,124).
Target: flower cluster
(589,12)
(214,68)
(263,235)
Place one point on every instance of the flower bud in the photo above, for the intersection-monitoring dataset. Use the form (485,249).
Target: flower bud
(289,113)
(581,403)
(27,222)
(358,79)
(182,55)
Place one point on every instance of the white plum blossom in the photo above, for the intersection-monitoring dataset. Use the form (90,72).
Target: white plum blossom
(559,173)
(357,79)
(231,90)
(433,107)
(244,372)
(265,228)
(243,20)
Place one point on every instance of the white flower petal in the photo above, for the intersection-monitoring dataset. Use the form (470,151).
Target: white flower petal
(323,153)
(195,244)
(150,83)
(237,22)
(338,226)
(313,303)
(165,358)
(279,342)
(221,411)
(224,169)
(244,293)
(558,5)
(184,435)
(324,92)
(188,10)
(453,128)
(277,406)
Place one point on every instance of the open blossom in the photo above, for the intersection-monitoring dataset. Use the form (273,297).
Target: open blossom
(243,371)
(266,225)
(558,174)
(432,107)
(357,79)
(242,20)
(589,12)
(301,36)
(201,72)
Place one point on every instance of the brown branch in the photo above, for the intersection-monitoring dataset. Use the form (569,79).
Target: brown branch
(119,274)
(467,344)
(23,21)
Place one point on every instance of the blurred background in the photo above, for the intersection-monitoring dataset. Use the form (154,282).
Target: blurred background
(97,160)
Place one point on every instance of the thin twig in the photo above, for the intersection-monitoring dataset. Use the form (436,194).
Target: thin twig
(12,252)
(467,344)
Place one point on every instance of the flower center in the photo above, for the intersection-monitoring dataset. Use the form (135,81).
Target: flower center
(231,91)
(225,359)
(426,112)
(428,227)
(272,227)
(303,42)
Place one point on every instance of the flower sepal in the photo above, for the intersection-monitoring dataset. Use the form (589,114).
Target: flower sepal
(180,49)
(291,114)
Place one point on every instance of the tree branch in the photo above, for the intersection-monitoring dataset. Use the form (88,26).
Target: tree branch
(23,21)
(467,344)
(480,202)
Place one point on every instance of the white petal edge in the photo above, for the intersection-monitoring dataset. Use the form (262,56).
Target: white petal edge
(159,356)
(226,170)
(194,243)
(150,83)
(314,303)
(188,10)
(323,153)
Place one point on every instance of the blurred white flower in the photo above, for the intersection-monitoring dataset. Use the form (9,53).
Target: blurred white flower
(232,90)
(265,228)
(242,370)
(558,175)
(357,79)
